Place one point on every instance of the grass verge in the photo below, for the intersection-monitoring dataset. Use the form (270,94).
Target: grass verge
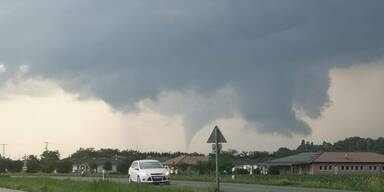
(42,184)
(372,183)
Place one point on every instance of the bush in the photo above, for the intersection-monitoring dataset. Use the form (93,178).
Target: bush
(49,160)
(10,165)
(257,171)
(107,166)
(241,171)
(123,167)
(93,167)
(64,166)
(274,171)
(182,167)
(33,164)
(48,166)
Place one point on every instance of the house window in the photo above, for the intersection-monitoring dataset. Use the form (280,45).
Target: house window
(342,167)
(347,167)
(325,167)
(361,167)
(321,167)
(356,168)
(330,167)
(370,168)
(374,168)
(351,168)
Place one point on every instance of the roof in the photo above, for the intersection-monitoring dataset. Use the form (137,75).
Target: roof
(147,160)
(239,162)
(99,160)
(184,159)
(161,159)
(350,157)
(328,157)
(301,158)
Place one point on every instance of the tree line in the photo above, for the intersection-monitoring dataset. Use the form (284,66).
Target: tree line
(351,144)
(50,161)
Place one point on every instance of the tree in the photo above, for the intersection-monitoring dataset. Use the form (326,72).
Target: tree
(233,152)
(3,165)
(183,167)
(243,154)
(108,152)
(204,167)
(123,167)
(282,152)
(49,161)
(107,166)
(87,153)
(64,166)
(15,166)
(33,164)
(93,166)
(241,172)
(225,163)
(258,154)
(274,170)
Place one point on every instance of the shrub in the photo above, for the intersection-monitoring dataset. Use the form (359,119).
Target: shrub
(64,166)
(241,171)
(107,166)
(123,167)
(33,164)
(274,171)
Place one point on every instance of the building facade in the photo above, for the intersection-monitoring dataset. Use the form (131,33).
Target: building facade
(95,165)
(319,163)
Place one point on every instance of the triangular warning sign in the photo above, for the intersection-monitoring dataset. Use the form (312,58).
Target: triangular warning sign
(220,137)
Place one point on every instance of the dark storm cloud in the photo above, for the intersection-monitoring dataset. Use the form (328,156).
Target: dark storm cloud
(275,54)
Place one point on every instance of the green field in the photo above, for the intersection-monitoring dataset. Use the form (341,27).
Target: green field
(41,184)
(344,182)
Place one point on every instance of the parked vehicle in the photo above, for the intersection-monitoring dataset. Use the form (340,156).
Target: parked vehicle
(148,171)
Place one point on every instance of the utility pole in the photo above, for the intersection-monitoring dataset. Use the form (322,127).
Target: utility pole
(46,145)
(4,149)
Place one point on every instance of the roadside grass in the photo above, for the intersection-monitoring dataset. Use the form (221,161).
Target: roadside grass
(97,175)
(43,184)
(372,183)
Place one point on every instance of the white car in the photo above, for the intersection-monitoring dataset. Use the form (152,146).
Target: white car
(148,171)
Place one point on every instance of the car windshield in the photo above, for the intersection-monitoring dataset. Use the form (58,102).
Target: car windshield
(150,165)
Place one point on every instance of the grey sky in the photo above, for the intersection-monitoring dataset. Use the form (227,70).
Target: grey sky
(271,55)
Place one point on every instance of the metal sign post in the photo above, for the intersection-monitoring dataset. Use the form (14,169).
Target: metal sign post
(216,138)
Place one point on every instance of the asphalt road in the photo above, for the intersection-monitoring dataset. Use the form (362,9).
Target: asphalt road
(227,187)
(235,187)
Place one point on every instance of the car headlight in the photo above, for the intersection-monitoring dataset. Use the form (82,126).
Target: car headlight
(144,174)
(167,173)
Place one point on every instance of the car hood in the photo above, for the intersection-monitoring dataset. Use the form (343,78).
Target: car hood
(149,171)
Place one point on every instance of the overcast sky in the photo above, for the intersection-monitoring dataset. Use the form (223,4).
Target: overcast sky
(158,75)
